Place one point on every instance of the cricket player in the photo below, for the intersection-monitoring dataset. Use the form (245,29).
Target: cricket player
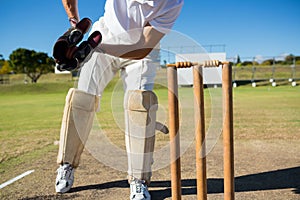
(131,30)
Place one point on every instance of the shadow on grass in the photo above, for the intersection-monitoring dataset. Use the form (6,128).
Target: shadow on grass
(273,180)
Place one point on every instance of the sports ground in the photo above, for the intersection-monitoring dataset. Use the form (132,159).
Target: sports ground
(266,133)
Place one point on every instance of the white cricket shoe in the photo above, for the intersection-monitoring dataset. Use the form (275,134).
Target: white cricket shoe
(64,178)
(139,190)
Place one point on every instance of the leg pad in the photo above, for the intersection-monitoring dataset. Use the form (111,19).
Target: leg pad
(140,118)
(77,122)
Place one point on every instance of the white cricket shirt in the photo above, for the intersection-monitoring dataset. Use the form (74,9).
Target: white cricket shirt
(123,15)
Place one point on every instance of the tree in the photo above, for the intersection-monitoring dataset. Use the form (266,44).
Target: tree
(33,64)
(289,59)
(248,63)
(5,68)
(238,59)
(268,62)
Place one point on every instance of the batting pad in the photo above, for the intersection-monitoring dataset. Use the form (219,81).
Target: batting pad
(77,122)
(140,118)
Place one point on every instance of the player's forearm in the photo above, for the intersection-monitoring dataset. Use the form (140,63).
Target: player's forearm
(137,50)
(71,7)
(148,40)
(126,51)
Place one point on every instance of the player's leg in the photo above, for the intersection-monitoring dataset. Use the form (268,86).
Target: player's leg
(140,116)
(140,105)
(77,121)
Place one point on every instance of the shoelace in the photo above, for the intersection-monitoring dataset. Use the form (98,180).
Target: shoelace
(138,188)
(64,172)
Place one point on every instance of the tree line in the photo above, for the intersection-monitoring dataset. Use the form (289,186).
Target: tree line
(288,60)
(33,64)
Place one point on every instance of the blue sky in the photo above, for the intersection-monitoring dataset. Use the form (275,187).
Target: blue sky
(247,27)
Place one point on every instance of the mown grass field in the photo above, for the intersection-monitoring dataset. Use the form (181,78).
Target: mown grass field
(30,117)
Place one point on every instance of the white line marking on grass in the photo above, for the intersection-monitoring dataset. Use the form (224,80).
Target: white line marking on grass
(15,179)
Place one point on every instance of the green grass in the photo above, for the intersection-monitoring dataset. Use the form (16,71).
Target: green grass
(29,121)
(31,115)
(267,112)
